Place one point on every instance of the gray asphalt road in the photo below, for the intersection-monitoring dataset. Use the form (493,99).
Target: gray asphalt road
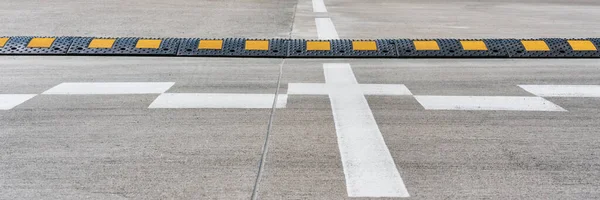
(114,146)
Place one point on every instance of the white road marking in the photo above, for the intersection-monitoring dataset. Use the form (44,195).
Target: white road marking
(9,101)
(369,168)
(281,101)
(111,88)
(367,89)
(217,100)
(326,29)
(319,6)
(563,90)
(487,103)
(385,89)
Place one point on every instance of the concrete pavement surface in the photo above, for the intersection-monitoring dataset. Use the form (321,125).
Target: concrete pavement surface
(195,128)
(113,146)
(149,18)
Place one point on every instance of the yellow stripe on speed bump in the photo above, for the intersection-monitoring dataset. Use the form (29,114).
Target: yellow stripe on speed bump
(318,46)
(430,45)
(257,45)
(474,45)
(364,46)
(148,44)
(211,44)
(582,45)
(3,42)
(101,43)
(40,43)
(535,45)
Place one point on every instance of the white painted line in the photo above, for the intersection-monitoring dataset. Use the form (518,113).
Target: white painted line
(367,89)
(385,89)
(326,29)
(319,6)
(487,103)
(111,88)
(563,90)
(213,100)
(281,101)
(9,101)
(369,168)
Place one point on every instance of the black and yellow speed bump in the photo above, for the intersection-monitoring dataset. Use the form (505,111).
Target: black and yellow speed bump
(449,48)
(125,46)
(303,48)
(552,48)
(234,47)
(343,48)
(35,45)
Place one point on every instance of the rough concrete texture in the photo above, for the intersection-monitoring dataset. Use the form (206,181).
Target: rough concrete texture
(115,147)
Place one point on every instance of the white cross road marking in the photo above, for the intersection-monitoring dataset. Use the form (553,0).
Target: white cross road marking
(487,103)
(367,89)
(563,90)
(9,101)
(211,100)
(104,88)
(369,168)
(326,29)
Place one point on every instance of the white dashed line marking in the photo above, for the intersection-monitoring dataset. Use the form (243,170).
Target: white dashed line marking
(111,88)
(319,6)
(563,90)
(326,29)
(214,100)
(487,103)
(9,101)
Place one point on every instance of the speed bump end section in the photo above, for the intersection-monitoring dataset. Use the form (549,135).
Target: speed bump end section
(35,45)
(342,48)
(260,45)
(233,47)
(124,46)
(210,44)
(98,43)
(451,48)
(364,46)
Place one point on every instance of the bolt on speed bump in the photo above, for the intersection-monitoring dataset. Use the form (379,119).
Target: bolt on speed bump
(302,48)
(450,48)
(35,45)
(233,47)
(124,46)
(552,48)
(344,48)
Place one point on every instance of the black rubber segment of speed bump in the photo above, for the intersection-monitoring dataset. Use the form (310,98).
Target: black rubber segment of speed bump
(233,47)
(451,48)
(554,48)
(27,45)
(596,42)
(342,48)
(125,46)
